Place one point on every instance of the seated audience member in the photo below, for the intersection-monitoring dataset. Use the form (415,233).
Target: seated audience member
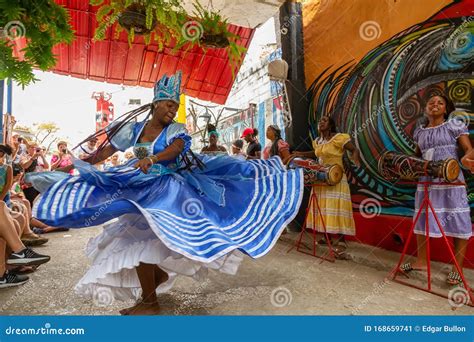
(18,255)
(22,206)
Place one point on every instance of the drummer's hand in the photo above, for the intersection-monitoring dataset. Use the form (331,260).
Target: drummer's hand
(144,164)
(468,163)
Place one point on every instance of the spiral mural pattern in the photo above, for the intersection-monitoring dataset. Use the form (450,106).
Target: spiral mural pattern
(379,100)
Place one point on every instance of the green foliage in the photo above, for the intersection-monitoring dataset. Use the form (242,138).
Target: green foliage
(167,20)
(214,24)
(165,16)
(44,24)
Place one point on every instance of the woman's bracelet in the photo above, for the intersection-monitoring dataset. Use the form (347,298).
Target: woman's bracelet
(153,159)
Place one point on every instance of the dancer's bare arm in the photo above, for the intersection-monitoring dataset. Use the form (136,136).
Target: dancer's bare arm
(102,155)
(468,159)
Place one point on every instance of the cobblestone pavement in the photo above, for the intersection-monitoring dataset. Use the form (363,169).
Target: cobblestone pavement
(280,283)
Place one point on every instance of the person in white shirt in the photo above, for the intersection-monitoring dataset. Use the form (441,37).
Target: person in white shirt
(87,149)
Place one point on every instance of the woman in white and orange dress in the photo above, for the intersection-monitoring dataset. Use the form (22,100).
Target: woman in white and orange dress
(334,200)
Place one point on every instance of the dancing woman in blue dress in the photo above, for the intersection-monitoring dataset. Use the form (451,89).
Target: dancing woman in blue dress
(170,214)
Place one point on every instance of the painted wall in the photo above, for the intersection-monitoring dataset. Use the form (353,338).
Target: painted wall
(370,63)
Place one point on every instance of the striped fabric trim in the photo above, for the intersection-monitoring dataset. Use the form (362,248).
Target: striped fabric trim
(335,212)
(63,198)
(73,197)
(255,232)
(334,195)
(438,235)
(330,229)
(274,204)
(444,210)
(421,188)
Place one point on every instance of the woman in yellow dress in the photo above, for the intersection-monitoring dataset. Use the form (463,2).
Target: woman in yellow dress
(334,200)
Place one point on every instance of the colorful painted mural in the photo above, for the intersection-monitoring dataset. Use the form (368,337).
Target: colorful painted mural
(375,90)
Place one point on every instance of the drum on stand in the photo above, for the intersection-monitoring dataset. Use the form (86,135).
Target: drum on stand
(394,165)
(315,173)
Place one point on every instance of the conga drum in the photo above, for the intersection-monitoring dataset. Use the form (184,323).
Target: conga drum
(394,165)
(315,173)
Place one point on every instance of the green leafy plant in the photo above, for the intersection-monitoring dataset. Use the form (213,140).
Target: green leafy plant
(217,35)
(44,24)
(167,23)
(158,20)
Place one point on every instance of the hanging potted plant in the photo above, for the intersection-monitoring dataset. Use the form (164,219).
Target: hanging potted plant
(167,23)
(134,18)
(213,32)
(154,19)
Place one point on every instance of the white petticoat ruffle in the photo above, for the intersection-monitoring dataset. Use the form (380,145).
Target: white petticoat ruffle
(127,242)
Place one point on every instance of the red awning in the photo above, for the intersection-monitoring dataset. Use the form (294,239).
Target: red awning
(206,75)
